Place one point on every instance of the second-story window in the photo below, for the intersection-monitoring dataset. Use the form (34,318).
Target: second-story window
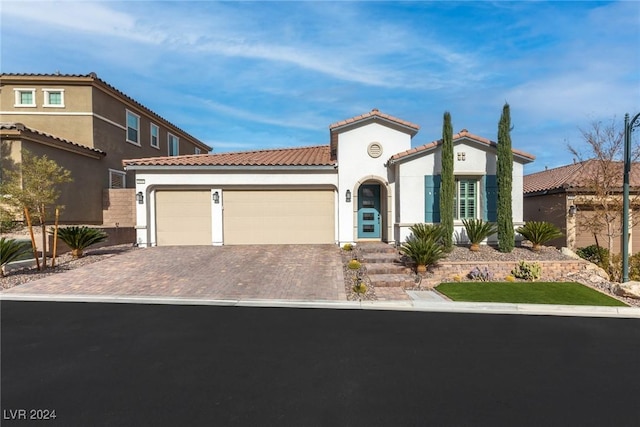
(25,97)
(54,98)
(133,128)
(197,151)
(155,133)
(173,145)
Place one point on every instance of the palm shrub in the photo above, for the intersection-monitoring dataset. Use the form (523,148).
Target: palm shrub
(10,250)
(80,238)
(435,232)
(539,233)
(478,230)
(424,252)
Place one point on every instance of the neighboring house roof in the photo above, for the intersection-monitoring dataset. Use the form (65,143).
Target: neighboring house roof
(93,78)
(18,129)
(375,115)
(576,176)
(456,137)
(302,156)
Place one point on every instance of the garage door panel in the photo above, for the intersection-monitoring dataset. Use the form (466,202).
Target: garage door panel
(268,217)
(183,217)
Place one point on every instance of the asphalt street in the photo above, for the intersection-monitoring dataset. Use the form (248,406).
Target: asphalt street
(107,364)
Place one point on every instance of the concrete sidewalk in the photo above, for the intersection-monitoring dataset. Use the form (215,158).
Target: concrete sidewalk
(428,304)
(296,276)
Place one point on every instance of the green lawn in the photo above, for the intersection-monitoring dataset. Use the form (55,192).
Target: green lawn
(565,293)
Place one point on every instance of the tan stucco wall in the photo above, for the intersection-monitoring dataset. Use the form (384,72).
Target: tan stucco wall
(82,198)
(551,208)
(73,122)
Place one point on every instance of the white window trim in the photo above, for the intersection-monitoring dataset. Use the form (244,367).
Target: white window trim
(169,135)
(17,99)
(126,125)
(477,206)
(46,98)
(151,127)
(197,150)
(121,174)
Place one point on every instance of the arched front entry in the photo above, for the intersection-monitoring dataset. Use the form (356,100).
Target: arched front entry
(371,210)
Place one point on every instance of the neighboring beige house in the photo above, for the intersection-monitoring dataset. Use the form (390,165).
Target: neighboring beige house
(366,183)
(89,127)
(563,197)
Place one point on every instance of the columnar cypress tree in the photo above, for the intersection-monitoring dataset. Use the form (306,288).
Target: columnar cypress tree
(506,234)
(447,183)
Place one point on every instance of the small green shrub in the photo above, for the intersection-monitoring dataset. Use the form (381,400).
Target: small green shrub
(80,238)
(527,271)
(10,250)
(360,288)
(595,254)
(354,264)
(424,252)
(478,230)
(433,232)
(539,233)
(347,247)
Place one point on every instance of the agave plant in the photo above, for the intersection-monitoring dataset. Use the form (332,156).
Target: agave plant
(424,252)
(80,238)
(433,232)
(478,230)
(10,250)
(539,233)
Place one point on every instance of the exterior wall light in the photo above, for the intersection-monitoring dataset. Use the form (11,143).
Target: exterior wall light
(216,197)
(572,210)
(140,197)
(348,196)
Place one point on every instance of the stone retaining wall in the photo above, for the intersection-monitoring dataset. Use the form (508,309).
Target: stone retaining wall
(551,270)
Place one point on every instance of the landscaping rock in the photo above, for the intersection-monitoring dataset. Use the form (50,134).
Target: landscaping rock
(627,289)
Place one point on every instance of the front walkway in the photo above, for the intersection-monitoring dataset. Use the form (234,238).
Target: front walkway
(282,272)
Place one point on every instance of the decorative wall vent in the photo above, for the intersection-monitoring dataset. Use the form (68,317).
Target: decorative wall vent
(375,149)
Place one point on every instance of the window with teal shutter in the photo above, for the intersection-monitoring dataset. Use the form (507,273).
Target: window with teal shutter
(432,198)
(466,199)
(490,205)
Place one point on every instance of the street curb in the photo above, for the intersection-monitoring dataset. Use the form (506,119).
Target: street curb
(415,305)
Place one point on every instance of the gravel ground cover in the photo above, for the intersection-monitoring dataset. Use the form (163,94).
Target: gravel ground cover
(64,262)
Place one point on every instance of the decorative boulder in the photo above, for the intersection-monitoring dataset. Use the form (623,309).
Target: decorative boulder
(628,289)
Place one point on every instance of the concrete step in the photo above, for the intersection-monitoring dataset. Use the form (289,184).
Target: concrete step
(391,280)
(379,257)
(377,247)
(386,268)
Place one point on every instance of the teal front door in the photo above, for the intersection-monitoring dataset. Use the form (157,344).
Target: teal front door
(369,211)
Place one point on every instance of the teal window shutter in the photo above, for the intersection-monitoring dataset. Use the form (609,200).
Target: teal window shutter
(490,205)
(432,198)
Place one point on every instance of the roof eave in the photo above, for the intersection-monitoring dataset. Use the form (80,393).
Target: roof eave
(229,168)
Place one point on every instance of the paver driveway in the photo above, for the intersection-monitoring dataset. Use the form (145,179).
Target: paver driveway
(289,272)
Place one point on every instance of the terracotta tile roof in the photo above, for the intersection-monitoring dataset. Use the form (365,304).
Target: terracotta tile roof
(302,156)
(462,134)
(22,128)
(93,77)
(373,114)
(577,176)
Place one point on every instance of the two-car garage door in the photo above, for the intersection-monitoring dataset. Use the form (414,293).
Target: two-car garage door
(249,217)
(278,216)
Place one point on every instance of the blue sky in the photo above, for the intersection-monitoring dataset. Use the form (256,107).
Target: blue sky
(259,75)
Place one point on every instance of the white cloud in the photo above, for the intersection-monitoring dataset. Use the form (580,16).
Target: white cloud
(88,17)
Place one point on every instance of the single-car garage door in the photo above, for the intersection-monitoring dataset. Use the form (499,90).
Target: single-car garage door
(183,217)
(278,217)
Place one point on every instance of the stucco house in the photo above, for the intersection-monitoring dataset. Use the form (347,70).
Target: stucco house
(565,195)
(366,184)
(87,126)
